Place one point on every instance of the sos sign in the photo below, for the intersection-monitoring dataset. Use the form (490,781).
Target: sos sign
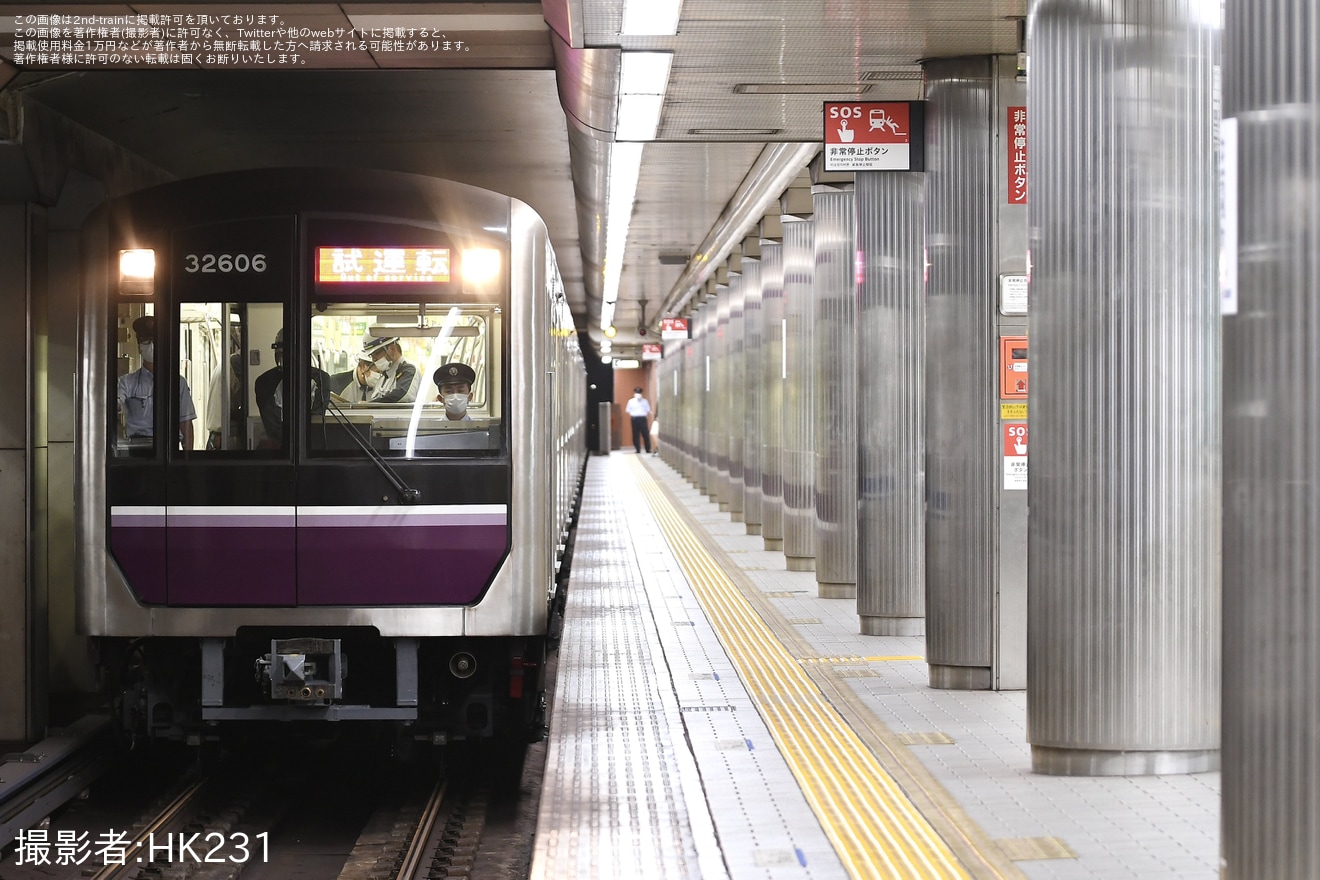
(874,135)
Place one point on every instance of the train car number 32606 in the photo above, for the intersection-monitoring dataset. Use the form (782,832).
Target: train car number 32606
(213,263)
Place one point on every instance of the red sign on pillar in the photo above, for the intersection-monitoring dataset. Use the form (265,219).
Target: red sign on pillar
(1017,155)
(1015,440)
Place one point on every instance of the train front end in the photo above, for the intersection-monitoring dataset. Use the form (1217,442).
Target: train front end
(284,514)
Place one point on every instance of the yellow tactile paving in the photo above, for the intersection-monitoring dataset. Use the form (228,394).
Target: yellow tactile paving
(875,829)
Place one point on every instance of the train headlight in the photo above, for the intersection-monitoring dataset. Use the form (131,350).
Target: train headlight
(137,271)
(480,266)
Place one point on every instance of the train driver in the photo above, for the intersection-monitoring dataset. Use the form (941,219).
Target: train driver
(382,375)
(136,390)
(454,383)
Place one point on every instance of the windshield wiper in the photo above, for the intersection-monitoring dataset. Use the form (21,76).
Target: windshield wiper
(407,494)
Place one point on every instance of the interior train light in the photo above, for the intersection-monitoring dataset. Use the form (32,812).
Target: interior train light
(137,271)
(480,265)
(610,331)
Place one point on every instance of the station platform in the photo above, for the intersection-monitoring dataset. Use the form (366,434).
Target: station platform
(714,718)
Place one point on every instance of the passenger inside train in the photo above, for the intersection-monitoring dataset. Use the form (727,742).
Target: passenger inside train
(136,392)
(269,390)
(381,375)
(347,340)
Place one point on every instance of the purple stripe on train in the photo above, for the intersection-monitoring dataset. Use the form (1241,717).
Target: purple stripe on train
(140,553)
(408,520)
(405,565)
(362,560)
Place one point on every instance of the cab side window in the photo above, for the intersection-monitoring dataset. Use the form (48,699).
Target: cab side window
(135,384)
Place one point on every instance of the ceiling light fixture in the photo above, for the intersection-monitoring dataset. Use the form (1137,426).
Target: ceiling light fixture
(643,78)
(651,17)
(625,166)
(639,117)
(644,73)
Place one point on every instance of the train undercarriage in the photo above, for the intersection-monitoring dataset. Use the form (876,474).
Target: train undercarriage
(429,690)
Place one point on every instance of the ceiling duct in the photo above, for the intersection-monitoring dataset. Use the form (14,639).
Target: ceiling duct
(588,81)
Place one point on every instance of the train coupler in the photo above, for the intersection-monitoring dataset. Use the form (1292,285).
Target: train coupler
(303,670)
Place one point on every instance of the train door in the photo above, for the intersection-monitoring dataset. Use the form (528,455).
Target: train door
(230,488)
(230,509)
(135,478)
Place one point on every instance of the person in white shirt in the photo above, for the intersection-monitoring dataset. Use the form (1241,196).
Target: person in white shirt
(382,375)
(136,397)
(638,409)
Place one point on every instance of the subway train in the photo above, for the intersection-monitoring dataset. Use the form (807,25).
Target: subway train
(331,441)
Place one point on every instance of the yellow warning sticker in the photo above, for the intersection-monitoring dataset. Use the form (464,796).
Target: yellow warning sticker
(1012,411)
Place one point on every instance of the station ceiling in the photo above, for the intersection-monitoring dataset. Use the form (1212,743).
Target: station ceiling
(527,107)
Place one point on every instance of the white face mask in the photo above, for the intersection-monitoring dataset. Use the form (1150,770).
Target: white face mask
(456,405)
(374,379)
(148,350)
(381,363)
(638,395)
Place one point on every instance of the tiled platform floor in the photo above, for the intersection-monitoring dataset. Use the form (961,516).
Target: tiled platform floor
(660,766)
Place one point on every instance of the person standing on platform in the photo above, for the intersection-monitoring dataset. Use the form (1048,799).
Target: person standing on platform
(638,409)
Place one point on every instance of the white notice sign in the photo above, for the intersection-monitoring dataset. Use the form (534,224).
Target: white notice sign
(1015,472)
(1012,294)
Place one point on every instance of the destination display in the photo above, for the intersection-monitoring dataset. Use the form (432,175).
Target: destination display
(382,265)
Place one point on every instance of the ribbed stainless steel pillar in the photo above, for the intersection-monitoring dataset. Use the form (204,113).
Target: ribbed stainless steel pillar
(705,331)
(691,417)
(719,388)
(772,422)
(664,398)
(1271,752)
(799,456)
(753,384)
(1124,490)
(693,403)
(675,426)
(891,404)
(961,385)
(835,357)
(735,380)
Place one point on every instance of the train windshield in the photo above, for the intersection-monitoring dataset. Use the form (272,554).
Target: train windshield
(404,380)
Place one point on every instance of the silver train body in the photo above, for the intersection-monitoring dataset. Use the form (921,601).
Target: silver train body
(365,558)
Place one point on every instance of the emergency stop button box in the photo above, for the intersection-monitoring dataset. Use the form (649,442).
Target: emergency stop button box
(1013,367)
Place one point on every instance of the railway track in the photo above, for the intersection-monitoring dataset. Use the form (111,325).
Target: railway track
(366,821)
